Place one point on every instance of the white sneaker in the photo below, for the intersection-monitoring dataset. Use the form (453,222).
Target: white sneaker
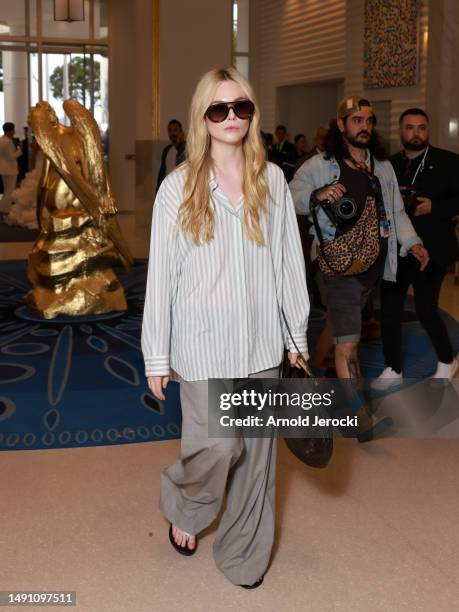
(446,370)
(386,380)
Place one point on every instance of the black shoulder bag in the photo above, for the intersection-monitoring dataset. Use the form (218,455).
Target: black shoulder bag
(315,452)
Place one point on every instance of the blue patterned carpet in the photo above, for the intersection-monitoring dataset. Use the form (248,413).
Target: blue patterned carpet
(80,382)
(76,381)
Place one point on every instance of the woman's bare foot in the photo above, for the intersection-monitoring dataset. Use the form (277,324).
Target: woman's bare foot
(182,538)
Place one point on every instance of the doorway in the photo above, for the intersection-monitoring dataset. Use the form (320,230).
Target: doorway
(305,107)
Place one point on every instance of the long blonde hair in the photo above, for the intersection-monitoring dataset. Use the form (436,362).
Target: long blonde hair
(196,213)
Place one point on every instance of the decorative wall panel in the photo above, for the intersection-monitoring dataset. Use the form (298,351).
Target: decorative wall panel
(294,42)
(390,43)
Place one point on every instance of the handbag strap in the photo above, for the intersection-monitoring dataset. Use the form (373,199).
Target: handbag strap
(300,359)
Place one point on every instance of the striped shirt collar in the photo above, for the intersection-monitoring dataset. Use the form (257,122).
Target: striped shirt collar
(223,199)
(213,185)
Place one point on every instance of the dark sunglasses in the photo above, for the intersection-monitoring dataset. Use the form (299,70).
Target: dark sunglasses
(243,109)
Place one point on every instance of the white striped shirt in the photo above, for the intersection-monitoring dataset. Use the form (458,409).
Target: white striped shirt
(213,310)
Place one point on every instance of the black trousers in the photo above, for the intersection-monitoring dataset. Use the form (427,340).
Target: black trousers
(426,287)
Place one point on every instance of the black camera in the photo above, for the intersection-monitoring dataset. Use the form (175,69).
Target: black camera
(410,199)
(343,213)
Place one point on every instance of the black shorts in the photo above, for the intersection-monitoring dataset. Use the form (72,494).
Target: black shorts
(345,298)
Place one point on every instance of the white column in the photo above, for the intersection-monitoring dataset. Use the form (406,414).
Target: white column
(442,81)
(194,37)
(103,90)
(15,88)
(122,70)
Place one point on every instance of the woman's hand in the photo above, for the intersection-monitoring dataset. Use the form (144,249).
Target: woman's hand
(156,385)
(293,358)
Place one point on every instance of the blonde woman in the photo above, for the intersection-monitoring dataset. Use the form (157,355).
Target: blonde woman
(225,259)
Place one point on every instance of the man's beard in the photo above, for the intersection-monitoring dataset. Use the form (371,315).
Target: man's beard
(359,144)
(415,146)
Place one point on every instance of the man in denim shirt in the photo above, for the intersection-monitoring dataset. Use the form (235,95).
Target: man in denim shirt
(350,163)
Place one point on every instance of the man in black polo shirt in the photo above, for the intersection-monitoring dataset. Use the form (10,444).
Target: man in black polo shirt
(429,181)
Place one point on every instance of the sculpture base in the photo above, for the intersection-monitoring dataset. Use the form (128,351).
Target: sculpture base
(98,293)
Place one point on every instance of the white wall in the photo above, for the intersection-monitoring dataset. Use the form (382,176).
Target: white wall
(383,111)
(293,43)
(442,80)
(303,108)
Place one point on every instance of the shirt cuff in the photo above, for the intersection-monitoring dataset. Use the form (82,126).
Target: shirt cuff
(157,366)
(409,244)
(301,343)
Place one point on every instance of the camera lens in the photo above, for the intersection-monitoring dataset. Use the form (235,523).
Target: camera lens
(346,208)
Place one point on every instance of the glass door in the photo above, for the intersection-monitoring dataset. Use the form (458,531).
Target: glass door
(78,74)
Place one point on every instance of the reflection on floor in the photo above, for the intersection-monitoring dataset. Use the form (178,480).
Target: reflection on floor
(376,531)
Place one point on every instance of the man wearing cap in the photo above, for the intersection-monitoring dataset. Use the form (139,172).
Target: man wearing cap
(353,165)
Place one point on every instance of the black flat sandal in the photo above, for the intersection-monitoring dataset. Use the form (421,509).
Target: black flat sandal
(254,585)
(183,550)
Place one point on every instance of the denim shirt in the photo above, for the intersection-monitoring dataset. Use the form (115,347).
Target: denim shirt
(317,172)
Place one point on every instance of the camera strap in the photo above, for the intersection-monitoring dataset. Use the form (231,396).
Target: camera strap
(374,183)
(315,204)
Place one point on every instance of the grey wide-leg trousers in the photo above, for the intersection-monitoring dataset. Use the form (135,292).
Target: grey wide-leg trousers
(193,488)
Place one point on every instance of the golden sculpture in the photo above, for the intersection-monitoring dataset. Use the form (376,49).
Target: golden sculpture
(70,266)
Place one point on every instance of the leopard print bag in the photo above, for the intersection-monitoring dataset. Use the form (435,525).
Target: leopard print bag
(355,251)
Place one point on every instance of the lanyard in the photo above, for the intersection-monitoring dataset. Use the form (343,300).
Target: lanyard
(420,168)
(362,166)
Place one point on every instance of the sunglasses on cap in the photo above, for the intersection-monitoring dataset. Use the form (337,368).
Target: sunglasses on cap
(243,109)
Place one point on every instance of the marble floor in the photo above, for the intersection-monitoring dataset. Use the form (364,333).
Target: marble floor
(376,531)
